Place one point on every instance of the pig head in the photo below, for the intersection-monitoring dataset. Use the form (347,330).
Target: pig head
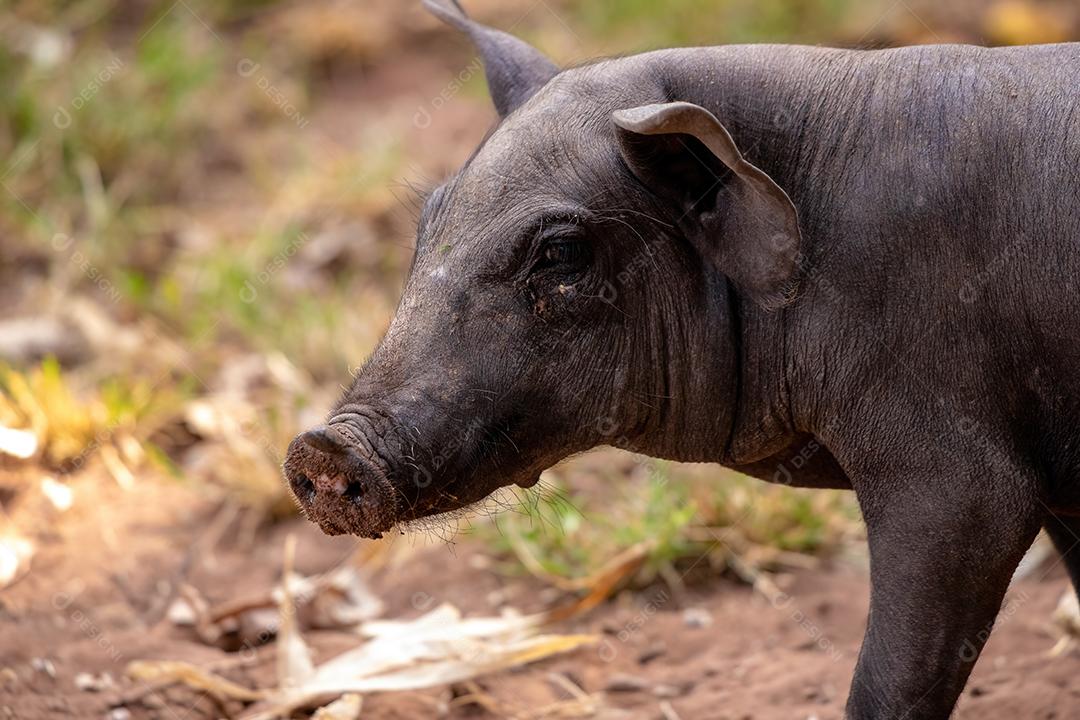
(573,283)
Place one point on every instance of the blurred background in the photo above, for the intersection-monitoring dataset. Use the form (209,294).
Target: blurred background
(206,213)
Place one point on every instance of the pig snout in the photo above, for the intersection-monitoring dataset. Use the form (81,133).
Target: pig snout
(337,487)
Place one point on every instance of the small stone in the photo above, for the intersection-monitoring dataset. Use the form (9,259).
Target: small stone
(695,617)
(180,613)
(44,665)
(119,713)
(88,682)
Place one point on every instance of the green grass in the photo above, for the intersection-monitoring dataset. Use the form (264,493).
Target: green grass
(72,421)
(685,515)
(123,116)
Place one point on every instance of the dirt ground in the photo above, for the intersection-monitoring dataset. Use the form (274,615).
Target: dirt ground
(101,584)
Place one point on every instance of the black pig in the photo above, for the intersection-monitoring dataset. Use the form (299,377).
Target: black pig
(867,261)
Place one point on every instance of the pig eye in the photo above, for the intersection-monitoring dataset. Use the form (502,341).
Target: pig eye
(564,253)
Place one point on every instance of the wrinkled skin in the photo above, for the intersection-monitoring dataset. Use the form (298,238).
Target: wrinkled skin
(824,268)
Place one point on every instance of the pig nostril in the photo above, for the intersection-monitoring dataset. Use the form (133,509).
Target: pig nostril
(353,491)
(303,487)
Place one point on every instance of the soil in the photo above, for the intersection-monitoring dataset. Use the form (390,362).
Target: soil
(100,585)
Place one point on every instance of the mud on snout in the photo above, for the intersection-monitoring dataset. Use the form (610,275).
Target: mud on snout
(338,488)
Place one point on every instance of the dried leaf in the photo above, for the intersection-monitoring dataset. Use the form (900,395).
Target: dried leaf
(1067,613)
(601,583)
(438,648)
(294,664)
(347,707)
(15,554)
(1039,552)
(59,495)
(192,676)
(18,443)
(116,467)
(340,599)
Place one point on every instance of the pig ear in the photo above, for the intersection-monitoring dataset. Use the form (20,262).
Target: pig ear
(736,214)
(514,69)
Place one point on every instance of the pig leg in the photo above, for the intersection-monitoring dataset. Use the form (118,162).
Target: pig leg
(1064,530)
(942,553)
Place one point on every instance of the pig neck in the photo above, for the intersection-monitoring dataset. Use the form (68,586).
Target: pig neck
(784,108)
